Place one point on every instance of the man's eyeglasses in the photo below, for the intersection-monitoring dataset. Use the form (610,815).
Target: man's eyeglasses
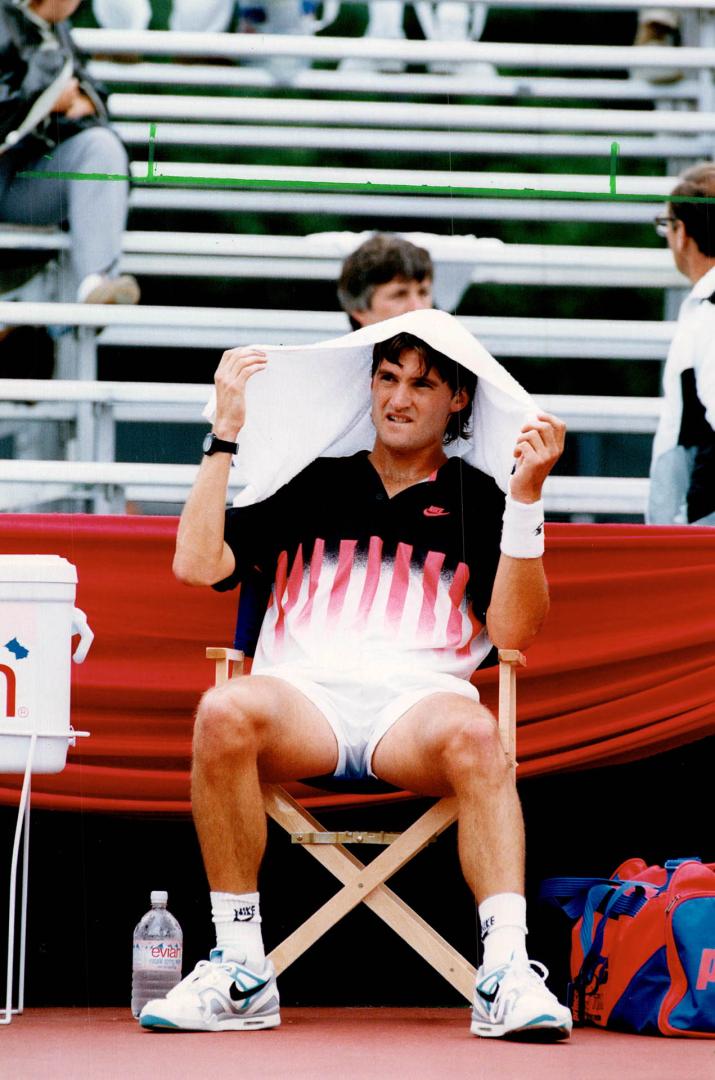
(661,224)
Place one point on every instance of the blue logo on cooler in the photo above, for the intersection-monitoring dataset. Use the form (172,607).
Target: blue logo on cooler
(18,651)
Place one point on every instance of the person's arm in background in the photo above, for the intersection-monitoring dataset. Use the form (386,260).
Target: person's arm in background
(704,363)
(23,80)
(91,97)
(202,555)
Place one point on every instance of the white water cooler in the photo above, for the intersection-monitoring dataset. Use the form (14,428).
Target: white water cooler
(37,622)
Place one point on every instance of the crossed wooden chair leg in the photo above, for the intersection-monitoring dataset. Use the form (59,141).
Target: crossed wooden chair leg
(366,883)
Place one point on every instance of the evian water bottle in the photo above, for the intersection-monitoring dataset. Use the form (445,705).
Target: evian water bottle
(156,961)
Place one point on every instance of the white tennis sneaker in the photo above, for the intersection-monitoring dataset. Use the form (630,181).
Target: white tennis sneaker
(514,1001)
(220,994)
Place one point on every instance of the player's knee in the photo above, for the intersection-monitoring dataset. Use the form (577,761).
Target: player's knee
(227,725)
(471,745)
(102,151)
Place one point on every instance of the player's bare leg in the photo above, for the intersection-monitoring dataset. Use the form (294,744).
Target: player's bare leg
(448,744)
(251,729)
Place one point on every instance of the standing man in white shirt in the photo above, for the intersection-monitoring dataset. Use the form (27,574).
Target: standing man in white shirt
(683,464)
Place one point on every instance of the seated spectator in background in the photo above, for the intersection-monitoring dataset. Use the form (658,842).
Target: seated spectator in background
(682,487)
(207,15)
(659,27)
(53,119)
(218,16)
(123,14)
(385,276)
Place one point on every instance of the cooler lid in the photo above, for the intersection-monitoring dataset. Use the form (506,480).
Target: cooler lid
(48,568)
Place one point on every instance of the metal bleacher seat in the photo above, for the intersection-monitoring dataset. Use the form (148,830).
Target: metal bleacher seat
(234,47)
(221,328)
(460,261)
(617,84)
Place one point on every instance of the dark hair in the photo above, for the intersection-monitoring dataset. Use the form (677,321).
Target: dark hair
(377,261)
(698,218)
(457,377)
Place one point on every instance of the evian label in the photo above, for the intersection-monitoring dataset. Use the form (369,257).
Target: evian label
(153,955)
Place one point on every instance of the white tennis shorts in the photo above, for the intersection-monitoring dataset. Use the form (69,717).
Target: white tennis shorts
(361,708)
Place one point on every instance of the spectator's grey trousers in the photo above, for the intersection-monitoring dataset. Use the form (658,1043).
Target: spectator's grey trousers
(95,210)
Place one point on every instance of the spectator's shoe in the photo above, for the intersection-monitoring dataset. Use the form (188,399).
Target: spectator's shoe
(101,289)
(513,1001)
(364,64)
(221,994)
(660,31)
(478,72)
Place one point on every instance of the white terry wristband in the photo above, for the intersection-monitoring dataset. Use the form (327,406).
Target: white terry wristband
(522,534)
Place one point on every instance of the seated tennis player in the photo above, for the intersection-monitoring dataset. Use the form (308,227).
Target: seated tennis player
(395,570)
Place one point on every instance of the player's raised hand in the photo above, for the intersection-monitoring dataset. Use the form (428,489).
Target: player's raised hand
(538,448)
(235,369)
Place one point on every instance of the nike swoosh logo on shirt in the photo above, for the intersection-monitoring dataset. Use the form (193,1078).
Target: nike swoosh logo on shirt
(435,511)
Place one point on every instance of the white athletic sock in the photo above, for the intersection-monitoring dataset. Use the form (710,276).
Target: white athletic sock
(237,918)
(503,928)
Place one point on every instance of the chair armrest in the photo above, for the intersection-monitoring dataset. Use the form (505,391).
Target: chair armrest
(229,663)
(214,652)
(512,656)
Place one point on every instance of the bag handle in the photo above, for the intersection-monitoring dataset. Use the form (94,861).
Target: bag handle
(570,894)
(621,902)
(583,897)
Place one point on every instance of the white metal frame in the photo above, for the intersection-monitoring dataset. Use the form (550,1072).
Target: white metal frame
(311,80)
(285,136)
(255,46)
(22,835)
(111,483)
(392,207)
(623,339)
(54,400)
(419,116)
(477,260)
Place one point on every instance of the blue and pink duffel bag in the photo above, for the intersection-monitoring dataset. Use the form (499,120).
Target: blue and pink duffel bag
(643,947)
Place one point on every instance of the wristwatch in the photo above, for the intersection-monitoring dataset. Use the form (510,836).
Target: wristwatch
(213,445)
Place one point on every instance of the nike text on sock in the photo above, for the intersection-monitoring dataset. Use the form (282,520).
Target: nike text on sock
(503,929)
(235,907)
(237,918)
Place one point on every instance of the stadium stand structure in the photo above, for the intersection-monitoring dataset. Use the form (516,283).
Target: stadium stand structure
(353,148)
(468,260)
(93,408)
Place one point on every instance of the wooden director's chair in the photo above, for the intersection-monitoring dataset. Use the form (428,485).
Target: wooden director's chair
(366,884)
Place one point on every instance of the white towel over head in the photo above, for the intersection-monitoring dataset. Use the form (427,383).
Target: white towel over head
(314,401)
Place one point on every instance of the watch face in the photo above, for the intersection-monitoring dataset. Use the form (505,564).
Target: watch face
(208,442)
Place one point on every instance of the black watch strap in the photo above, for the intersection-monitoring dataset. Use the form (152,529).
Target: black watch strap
(213,445)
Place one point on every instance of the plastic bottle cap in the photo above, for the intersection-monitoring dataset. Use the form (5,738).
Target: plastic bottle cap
(159,897)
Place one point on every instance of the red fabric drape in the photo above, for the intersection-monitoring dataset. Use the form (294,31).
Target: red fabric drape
(625,666)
